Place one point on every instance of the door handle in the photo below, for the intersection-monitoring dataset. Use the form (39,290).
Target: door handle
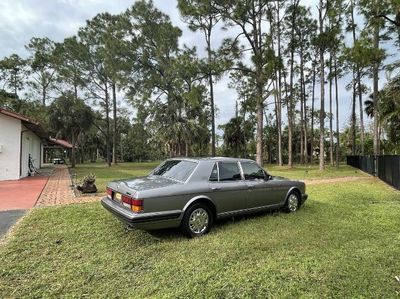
(215,188)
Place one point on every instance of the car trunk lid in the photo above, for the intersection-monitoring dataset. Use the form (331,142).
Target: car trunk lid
(126,191)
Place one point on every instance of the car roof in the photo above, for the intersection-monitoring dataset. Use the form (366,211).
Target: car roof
(226,159)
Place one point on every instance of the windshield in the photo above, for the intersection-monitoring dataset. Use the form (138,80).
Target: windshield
(179,170)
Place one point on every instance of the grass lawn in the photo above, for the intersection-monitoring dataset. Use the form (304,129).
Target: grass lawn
(104,174)
(344,242)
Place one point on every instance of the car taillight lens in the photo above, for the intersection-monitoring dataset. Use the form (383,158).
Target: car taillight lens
(109,192)
(136,205)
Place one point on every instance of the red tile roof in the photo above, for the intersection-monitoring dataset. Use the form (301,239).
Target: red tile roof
(61,142)
(34,126)
(18,116)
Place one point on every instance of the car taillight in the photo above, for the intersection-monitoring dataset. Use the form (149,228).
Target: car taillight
(109,192)
(136,205)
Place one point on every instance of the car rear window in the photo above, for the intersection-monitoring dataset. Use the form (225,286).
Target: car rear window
(179,170)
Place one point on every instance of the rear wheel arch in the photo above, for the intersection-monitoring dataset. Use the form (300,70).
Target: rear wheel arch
(204,200)
(198,217)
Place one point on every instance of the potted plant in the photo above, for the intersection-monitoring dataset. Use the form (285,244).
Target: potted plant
(88,185)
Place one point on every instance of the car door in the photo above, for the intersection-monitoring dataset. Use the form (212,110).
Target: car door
(261,191)
(227,187)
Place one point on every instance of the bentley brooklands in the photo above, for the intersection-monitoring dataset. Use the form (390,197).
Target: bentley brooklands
(192,193)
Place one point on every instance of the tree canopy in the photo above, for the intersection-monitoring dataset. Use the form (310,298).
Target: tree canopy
(127,87)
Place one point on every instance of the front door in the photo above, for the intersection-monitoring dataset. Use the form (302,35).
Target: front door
(261,191)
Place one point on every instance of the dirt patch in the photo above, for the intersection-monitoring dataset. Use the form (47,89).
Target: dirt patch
(335,180)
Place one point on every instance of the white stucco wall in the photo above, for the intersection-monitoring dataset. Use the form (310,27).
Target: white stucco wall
(10,138)
(30,145)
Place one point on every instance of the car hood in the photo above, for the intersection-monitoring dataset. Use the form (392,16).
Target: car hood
(144,183)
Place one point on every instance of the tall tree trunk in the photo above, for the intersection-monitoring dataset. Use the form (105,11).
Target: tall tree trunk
(330,112)
(260,112)
(305,126)
(75,90)
(290,112)
(279,95)
(15,84)
(303,117)
(375,74)
(337,113)
(357,79)
(301,130)
(43,95)
(121,149)
(211,84)
(107,104)
(322,83)
(312,115)
(259,86)
(244,135)
(114,147)
(291,99)
(360,101)
(353,119)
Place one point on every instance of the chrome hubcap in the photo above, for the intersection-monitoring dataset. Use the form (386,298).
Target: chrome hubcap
(198,221)
(293,202)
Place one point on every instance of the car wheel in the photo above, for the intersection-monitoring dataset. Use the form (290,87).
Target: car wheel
(197,220)
(292,202)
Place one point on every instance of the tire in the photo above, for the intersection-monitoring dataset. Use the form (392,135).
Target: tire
(292,203)
(197,220)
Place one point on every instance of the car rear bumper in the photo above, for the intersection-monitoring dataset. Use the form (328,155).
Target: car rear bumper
(146,221)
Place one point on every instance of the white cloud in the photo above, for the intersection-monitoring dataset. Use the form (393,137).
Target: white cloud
(57,19)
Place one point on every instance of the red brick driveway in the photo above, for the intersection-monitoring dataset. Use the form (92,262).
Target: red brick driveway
(21,194)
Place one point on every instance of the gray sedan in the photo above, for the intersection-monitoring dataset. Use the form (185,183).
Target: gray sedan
(192,193)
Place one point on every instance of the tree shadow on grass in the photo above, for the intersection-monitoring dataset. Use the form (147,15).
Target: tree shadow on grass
(173,234)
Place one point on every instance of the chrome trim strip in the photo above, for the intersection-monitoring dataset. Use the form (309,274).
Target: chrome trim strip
(250,210)
(131,217)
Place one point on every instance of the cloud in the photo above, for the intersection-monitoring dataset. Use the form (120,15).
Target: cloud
(57,19)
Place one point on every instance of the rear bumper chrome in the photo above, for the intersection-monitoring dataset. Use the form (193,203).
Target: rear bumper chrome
(142,220)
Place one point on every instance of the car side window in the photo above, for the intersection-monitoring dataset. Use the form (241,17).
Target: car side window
(229,171)
(252,171)
(214,174)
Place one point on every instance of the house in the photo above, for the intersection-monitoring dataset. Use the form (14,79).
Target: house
(21,140)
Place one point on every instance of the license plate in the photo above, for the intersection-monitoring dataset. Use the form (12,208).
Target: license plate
(117,196)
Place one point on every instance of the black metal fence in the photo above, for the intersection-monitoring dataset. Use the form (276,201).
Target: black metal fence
(386,167)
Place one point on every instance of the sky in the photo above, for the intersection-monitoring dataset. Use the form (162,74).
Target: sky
(57,19)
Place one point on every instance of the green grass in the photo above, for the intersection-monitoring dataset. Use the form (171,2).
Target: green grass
(344,242)
(104,174)
(307,172)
